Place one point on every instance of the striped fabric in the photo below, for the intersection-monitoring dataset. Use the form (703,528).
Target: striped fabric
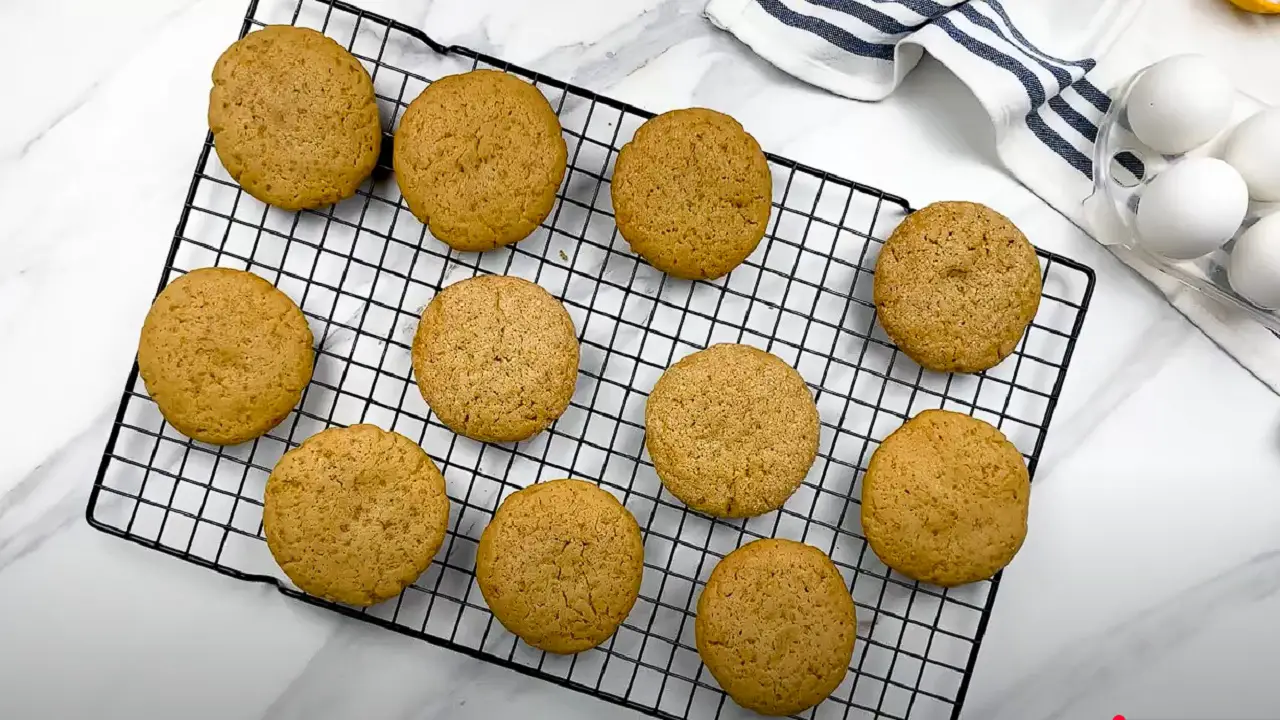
(863,48)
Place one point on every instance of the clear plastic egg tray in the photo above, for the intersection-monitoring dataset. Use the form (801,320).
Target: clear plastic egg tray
(1123,167)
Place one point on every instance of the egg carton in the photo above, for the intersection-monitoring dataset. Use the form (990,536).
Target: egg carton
(1125,166)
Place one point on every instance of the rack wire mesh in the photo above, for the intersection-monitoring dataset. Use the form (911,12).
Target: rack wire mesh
(362,271)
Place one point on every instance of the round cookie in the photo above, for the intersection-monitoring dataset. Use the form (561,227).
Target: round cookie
(776,626)
(944,500)
(294,118)
(732,430)
(225,355)
(956,285)
(479,157)
(496,358)
(355,514)
(560,565)
(692,193)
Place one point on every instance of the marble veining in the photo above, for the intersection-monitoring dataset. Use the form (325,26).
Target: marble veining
(1147,585)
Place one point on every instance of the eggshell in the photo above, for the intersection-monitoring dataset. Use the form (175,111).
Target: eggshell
(1180,103)
(1192,208)
(1254,150)
(1254,267)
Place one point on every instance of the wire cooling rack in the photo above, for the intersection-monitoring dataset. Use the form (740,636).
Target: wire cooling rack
(362,271)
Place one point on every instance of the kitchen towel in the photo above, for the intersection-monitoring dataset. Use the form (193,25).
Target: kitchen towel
(1041,70)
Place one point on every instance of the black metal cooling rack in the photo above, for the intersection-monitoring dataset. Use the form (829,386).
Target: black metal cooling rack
(362,271)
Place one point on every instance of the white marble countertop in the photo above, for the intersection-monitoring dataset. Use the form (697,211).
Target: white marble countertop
(1149,584)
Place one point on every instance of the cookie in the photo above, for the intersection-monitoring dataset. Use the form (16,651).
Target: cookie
(225,355)
(692,193)
(479,157)
(496,358)
(355,515)
(560,565)
(944,499)
(732,430)
(294,118)
(956,285)
(776,626)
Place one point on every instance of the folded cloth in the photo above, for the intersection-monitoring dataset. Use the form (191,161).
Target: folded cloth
(1038,67)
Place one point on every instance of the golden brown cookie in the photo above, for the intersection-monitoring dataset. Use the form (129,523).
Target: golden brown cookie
(560,565)
(355,514)
(496,358)
(479,157)
(956,285)
(776,626)
(294,118)
(225,355)
(732,430)
(692,193)
(944,500)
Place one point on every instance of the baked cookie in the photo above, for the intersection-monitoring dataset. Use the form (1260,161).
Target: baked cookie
(776,626)
(496,358)
(692,193)
(944,500)
(294,118)
(956,285)
(479,157)
(560,565)
(732,430)
(225,355)
(355,514)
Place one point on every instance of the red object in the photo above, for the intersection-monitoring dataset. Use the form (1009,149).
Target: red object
(1118,717)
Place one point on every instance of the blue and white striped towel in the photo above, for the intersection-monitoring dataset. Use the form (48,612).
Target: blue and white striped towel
(1033,64)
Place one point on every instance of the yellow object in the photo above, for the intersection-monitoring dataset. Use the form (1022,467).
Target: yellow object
(1257,6)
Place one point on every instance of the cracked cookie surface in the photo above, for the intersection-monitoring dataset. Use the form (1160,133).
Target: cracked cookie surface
(560,565)
(479,157)
(732,430)
(225,355)
(776,626)
(692,193)
(496,358)
(945,499)
(355,514)
(956,285)
(294,117)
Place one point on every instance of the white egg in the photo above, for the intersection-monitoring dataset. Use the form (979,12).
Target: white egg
(1254,268)
(1192,208)
(1254,150)
(1180,103)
